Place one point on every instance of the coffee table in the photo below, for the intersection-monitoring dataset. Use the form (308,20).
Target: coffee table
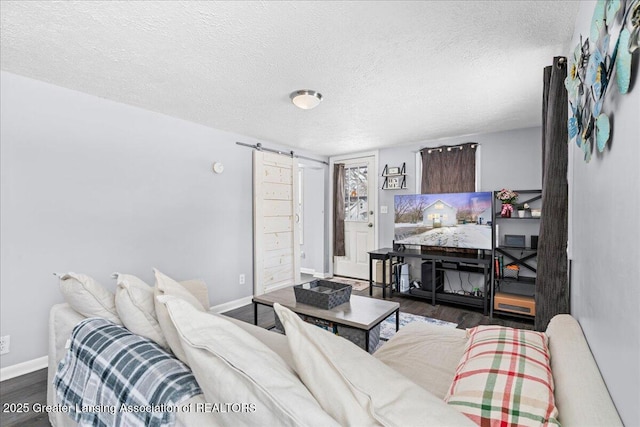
(357,320)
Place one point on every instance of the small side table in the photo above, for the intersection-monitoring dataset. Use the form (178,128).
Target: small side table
(383,255)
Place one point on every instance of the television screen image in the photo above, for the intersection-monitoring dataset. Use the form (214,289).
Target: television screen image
(455,220)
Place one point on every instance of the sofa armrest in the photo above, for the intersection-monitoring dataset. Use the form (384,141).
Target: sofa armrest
(580,393)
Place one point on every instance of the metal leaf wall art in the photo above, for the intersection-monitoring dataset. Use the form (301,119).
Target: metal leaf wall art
(592,67)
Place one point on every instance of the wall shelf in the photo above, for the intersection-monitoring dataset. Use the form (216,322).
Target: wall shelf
(395,177)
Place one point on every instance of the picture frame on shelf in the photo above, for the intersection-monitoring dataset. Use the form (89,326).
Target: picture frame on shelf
(393,182)
(393,170)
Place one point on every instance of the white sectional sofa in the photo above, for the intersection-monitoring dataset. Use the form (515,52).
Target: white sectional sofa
(421,361)
(426,354)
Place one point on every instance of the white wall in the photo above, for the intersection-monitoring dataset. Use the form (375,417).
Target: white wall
(605,235)
(93,186)
(510,159)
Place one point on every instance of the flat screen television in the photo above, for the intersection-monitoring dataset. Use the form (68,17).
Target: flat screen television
(448,220)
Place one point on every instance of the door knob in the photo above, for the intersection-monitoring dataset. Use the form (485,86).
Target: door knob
(370,225)
(370,212)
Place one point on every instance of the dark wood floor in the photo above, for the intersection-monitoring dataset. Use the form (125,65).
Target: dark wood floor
(32,388)
(28,389)
(465,318)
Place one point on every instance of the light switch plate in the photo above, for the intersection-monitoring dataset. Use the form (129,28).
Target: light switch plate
(384,209)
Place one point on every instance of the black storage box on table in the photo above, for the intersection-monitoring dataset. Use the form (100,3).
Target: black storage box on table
(322,293)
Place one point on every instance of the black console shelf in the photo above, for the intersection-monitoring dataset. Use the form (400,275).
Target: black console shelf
(448,297)
(460,267)
(441,260)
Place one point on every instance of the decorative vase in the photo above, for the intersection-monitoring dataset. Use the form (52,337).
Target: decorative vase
(507,209)
(521,213)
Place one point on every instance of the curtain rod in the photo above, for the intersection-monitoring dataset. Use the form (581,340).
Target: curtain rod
(449,147)
(259,147)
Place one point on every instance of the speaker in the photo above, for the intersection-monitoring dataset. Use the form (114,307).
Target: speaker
(534,242)
(514,240)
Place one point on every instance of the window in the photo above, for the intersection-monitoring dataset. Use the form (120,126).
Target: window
(356,206)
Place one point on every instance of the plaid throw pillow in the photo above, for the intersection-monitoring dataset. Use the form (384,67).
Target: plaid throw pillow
(504,378)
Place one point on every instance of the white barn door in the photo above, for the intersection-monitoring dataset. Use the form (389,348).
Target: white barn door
(275,232)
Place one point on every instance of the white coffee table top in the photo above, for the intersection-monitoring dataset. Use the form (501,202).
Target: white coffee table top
(359,312)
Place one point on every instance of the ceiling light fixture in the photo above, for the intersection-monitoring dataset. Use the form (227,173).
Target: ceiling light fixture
(305,99)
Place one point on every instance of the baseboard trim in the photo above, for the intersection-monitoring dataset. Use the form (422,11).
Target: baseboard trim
(317,275)
(231,305)
(23,368)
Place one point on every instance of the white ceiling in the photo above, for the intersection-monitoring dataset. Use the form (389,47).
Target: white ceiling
(390,72)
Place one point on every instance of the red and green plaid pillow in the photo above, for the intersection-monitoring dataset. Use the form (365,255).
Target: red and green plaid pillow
(504,378)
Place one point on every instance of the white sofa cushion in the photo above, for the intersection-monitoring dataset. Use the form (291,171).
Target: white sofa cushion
(165,285)
(88,297)
(435,349)
(136,308)
(197,288)
(233,366)
(356,388)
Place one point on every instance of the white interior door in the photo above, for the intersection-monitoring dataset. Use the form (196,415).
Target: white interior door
(359,224)
(276,242)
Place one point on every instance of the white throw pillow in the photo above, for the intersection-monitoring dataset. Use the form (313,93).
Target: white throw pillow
(88,297)
(197,288)
(136,308)
(354,387)
(233,366)
(165,285)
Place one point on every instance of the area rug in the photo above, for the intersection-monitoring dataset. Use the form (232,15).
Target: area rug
(388,326)
(356,284)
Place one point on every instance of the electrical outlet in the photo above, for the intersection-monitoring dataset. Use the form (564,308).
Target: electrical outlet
(5,341)
(242,279)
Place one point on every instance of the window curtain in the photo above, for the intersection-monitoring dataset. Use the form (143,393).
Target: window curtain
(449,169)
(552,281)
(338,210)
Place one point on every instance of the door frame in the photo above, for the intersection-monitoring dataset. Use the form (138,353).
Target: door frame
(318,267)
(339,159)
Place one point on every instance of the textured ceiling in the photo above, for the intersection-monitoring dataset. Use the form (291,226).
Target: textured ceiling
(390,72)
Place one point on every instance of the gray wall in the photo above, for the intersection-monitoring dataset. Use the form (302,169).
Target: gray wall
(604,236)
(93,186)
(510,159)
